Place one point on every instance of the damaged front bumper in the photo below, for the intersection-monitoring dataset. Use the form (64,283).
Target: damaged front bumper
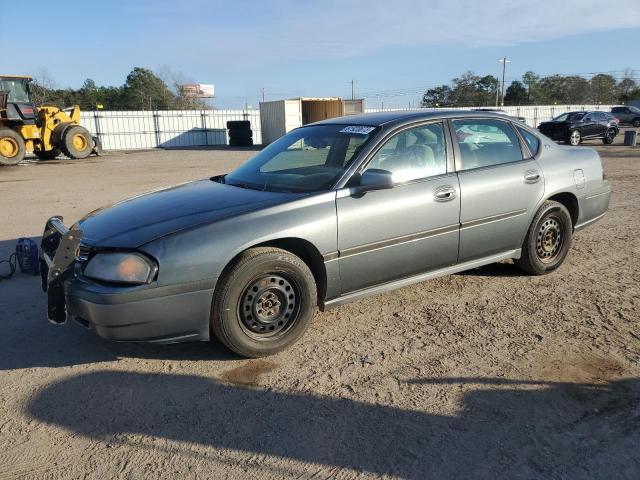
(58,251)
(148,313)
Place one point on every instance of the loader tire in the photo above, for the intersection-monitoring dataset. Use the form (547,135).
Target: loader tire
(12,147)
(76,142)
(49,154)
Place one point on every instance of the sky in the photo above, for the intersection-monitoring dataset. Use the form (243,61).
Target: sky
(393,50)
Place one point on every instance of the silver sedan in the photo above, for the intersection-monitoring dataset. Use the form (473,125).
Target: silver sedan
(329,213)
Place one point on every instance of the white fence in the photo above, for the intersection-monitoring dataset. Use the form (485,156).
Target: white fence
(533,114)
(130,130)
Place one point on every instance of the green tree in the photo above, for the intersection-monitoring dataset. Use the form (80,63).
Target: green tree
(472,90)
(516,94)
(437,97)
(532,81)
(627,90)
(603,89)
(143,90)
(563,90)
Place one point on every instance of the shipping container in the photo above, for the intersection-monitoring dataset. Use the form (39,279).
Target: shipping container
(281,116)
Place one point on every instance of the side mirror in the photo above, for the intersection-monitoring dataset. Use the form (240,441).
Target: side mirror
(375,179)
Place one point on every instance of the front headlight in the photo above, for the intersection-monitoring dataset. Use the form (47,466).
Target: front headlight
(132,268)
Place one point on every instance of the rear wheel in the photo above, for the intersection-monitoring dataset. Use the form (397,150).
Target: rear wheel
(574,138)
(636,122)
(548,239)
(77,142)
(264,302)
(12,147)
(609,137)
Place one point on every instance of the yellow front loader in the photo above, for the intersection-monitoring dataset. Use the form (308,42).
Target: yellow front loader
(46,131)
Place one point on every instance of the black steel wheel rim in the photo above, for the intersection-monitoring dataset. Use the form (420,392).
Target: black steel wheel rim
(269,306)
(549,239)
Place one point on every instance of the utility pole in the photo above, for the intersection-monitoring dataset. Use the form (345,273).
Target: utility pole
(497,90)
(353,97)
(504,62)
(263,94)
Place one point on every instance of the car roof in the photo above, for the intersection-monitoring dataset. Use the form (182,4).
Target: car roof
(406,116)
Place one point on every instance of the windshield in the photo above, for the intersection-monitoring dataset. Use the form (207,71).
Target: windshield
(569,117)
(308,159)
(17,88)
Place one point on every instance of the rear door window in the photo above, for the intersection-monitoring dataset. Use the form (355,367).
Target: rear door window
(486,142)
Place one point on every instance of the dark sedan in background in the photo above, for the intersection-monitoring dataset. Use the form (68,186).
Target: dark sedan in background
(574,127)
(629,115)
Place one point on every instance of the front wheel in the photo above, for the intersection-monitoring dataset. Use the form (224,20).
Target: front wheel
(264,302)
(77,142)
(636,123)
(574,138)
(548,239)
(609,137)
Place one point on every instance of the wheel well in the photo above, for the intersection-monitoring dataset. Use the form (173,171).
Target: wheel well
(570,201)
(309,255)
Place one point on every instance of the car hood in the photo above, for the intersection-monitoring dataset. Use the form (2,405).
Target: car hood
(141,219)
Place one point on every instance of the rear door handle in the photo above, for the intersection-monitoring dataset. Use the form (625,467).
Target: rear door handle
(444,194)
(531,176)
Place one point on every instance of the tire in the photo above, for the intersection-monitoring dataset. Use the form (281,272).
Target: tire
(609,137)
(574,138)
(543,250)
(241,135)
(76,142)
(244,315)
(244,142)
(636,122)
(238,125)
(48,155)
(12,147)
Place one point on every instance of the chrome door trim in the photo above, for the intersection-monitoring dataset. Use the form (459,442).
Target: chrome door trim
(492,218)
(368,247)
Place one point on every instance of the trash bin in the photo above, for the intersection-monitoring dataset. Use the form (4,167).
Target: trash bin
(630,137)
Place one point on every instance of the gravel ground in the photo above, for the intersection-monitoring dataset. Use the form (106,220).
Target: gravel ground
(486,374)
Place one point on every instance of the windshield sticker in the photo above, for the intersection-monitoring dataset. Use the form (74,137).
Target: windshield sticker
(358,129)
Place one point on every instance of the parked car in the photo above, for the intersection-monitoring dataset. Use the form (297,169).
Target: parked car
(629,115)
(329,213)
(497,110)
(574,127)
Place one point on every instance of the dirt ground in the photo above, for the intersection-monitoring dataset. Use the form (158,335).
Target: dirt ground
(486,374)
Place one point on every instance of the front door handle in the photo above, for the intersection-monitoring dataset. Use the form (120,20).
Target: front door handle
(444,194)
(531,176)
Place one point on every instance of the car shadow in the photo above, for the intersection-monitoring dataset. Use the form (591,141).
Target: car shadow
(495,270)
(504,429)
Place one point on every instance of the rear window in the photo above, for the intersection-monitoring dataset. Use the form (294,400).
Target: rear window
(618,110)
